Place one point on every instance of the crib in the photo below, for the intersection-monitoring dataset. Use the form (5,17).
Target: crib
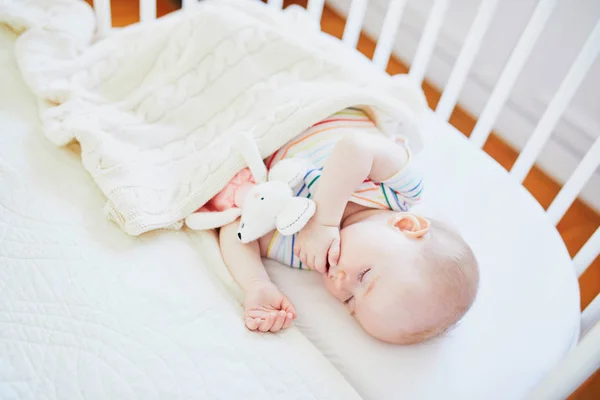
(579,356)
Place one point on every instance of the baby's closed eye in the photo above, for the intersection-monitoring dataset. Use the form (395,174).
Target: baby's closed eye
(362,274)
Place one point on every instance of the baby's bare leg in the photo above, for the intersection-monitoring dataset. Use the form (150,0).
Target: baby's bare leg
(266,308)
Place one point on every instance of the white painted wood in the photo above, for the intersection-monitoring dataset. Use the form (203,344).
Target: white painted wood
(511,71)
(587,254)
(277,4)
(354,22)
(579,365)
(590,316)
(188,3)
(427,42)
(559,103)
(103,16)
(389,30)
(465,58)
(147,10)
(576,182)
(315,8)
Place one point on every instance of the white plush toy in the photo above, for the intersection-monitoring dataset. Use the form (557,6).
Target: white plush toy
(268,205)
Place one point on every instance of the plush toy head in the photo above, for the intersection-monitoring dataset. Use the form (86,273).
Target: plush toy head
(272,205)
(268,205)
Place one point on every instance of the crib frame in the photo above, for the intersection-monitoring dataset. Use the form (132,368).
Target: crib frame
(584,359)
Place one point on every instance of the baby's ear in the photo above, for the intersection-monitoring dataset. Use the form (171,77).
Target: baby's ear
(295,215)
(413,226)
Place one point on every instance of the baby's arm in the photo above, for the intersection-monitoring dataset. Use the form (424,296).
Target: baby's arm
(266,308)
(355,158)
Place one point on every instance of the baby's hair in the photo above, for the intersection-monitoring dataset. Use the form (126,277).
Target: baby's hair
(451,270)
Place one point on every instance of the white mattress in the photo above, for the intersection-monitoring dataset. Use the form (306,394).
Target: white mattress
(88,312)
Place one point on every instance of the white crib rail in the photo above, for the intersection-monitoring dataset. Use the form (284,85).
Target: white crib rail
(465,58)
(315,8)
(188,3)
(427,43)
(386,40)
(579,364)
(588,253)
(590,316)
(578,179)
(147,10)
(511,71)
(559,103)
(277,4)
(103,16)
(358,8)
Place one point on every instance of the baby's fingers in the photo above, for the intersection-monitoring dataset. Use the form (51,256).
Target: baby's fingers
(288,321)
(321,261)
(279,321)
(299,245)
(296,250)
(288,307)
(334,253)
(253,323)
(267,323)
(303,257)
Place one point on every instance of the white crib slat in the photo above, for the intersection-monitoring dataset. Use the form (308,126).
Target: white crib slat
(188,3)
(147,10)
(387,37)
(354,22)
(315,8)
(511,71)
(103,16)
(578,365)
(591,315)
(427,42)
(571,189)
(557,106)
(277,4)
(465,58)
(587,254)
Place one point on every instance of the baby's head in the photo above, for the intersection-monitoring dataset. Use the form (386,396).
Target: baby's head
(405,278)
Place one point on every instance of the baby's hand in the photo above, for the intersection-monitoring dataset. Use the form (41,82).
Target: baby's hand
(317,244)
(267,309)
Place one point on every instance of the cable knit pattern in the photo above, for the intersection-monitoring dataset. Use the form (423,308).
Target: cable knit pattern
(156,106)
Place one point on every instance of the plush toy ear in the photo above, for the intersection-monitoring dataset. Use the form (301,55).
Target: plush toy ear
(248,148)
(290,171)
(295,215)
(205,220)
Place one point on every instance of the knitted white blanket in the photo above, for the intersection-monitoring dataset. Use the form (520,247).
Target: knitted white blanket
(156,106)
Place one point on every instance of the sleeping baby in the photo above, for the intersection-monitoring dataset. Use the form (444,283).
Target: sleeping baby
(404,277)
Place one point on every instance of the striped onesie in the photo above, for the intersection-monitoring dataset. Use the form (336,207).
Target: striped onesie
(315,144)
